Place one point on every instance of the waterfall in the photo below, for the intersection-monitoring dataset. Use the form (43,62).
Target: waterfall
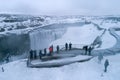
(41,38)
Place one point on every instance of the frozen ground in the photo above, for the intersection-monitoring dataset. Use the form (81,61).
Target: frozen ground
(90,70)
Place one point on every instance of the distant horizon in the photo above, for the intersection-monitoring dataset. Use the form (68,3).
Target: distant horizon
(56,15)
(60,7)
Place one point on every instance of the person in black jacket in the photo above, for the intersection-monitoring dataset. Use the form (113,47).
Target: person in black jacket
(70,46)
(31,54)
(40,54)
(86,49)
(35,54)
(106,64)
(57,48)
(45,51)
(89,50)
(52,48)
(3,69)
(66,46)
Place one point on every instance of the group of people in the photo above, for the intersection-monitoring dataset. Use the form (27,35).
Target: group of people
(88,49)
(68,46)
(33,53)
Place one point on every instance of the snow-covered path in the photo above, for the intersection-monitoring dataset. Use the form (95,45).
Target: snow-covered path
(113,50)
(107,38)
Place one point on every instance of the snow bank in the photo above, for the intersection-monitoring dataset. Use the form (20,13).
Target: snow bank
(109,25)
(118,32)
(60,62)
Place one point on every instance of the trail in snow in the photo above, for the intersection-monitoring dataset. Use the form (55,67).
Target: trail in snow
(113,50)
(108,41)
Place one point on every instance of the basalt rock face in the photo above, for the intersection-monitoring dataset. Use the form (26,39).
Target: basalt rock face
(13,44)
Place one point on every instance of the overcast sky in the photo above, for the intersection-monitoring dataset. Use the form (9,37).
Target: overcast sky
(61,7)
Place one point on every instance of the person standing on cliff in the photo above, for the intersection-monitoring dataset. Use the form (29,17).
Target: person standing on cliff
(66,46)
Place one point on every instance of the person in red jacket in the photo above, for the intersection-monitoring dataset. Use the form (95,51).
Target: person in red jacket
(51,49)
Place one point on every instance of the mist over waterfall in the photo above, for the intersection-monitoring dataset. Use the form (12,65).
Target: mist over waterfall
(40,39)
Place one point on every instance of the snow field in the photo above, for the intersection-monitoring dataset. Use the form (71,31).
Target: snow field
(90,70)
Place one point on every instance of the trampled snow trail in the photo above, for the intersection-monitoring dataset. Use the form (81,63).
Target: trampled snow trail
(108,41)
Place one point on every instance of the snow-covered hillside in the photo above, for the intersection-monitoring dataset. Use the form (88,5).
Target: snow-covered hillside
(90,70)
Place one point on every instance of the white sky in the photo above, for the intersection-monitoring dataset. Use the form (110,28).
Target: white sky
(61,7)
